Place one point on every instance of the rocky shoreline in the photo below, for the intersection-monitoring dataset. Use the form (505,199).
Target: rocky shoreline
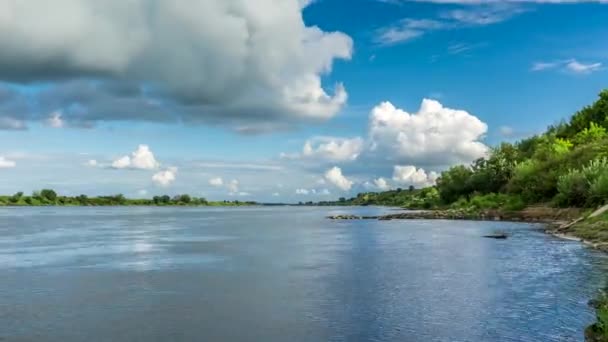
(554,217)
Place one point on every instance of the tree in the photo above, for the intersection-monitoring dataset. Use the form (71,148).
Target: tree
(590,134)
(16,197)
(454,183)
(183,199)
(48,194)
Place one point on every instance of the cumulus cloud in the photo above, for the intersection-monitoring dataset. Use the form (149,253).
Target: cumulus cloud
(335,177)
(6,164)
(435,135)
(410,175)
(329,149)
(381,184)
(211,61)
(378,184)
(166,177)
(55,120)
(217,182)
(142,159)
(232,186)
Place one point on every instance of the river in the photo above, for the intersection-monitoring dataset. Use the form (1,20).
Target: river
(285,274)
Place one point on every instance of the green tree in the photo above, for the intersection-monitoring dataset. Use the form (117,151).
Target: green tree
(49,195)
(454,183)
(16,197)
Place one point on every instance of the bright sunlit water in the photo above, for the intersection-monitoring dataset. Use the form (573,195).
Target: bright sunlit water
(285,274)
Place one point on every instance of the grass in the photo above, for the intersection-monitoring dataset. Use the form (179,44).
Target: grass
(593,229)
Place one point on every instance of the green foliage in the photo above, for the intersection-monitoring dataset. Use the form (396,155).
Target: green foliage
(598,332)
(573,189)
(492,174)
(48,194)
(50,197)
(491,201)
(599,189)
(454,183)
(596,113)
(593,133)
(426,198)
(587,186)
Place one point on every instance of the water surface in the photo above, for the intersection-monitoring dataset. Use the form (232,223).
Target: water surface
(284,274)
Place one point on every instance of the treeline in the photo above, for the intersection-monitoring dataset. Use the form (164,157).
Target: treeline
(567,166)
(426,198)
(48,197)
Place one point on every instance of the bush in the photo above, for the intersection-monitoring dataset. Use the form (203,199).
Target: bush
(573,189)
(599,189)
(585,187)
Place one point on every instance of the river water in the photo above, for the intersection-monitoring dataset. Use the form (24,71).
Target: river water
(285,274)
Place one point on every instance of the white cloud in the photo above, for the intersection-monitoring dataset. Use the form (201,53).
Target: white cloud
(233,186)
(305,192)
(406,30)
(335,177)
(142,192)
(329,149)
(92,163)
(381,184)
(276,194)
(54,120)
(582,68)
(324,192)
(166,177)
(122,163)
(410,28)
(435,135)
(6,164)
(302,191)
(540,66)
(569,65)
(142,159)
(333,149)
(410,175)
(217,182)
(237,59)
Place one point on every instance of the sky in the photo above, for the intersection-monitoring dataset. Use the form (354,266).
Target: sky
(281,100)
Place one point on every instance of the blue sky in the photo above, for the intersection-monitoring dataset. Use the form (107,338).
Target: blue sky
(281,100)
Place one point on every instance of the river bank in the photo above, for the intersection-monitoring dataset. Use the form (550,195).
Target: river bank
(565,223)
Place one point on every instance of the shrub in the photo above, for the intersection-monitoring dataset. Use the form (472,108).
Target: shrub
(585,187)
(573,189)
(599,189)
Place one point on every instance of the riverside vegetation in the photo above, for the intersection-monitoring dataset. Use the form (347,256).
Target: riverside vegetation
(48,197)
(562,172)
